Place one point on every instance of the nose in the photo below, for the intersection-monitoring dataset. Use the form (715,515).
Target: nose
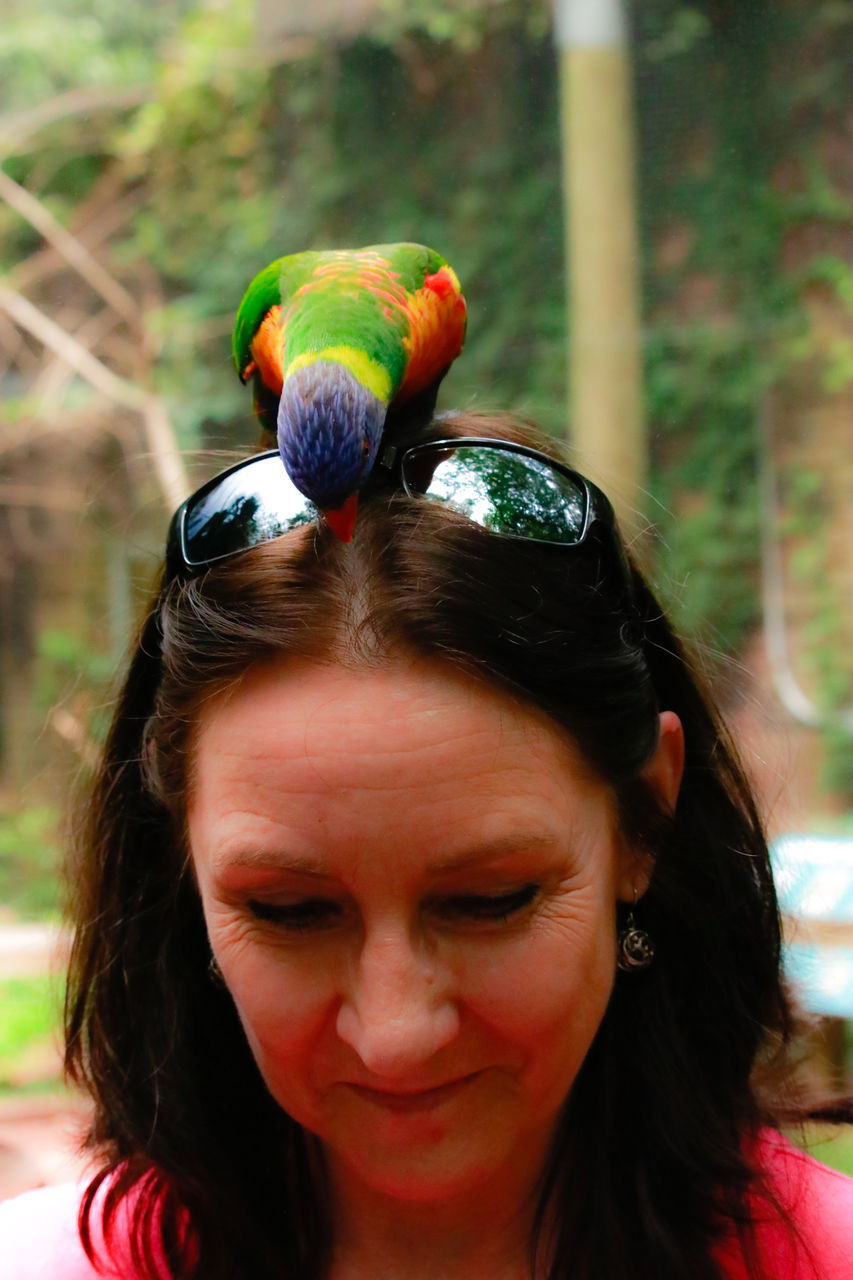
(397,1013)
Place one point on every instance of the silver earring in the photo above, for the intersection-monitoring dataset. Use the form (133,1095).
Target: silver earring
(634,948)
(214,972)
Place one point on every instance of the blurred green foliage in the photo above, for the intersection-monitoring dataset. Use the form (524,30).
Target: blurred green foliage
(836,1149)
(29,858)
(54,48)
(30,1019)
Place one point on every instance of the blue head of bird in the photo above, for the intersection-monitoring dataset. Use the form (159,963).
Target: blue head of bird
(329,428)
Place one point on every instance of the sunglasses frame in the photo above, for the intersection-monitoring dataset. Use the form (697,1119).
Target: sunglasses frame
(176,545)
(599,522)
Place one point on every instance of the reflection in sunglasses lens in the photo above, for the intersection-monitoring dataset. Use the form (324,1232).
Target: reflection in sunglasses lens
(505,492)
(253,505)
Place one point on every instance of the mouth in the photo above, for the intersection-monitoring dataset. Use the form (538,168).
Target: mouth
(413,1100)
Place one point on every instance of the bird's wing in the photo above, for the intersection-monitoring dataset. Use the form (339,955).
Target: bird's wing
(438,317)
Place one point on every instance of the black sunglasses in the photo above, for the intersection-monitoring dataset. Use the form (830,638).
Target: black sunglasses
(506,488)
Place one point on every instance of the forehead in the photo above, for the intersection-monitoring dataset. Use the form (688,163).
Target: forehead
(363,720)
(318,755)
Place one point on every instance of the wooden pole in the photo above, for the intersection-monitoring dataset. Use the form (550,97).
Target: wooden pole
(604,355)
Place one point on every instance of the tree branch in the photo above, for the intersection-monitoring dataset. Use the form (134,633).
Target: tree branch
(791,694)
(13,345)
(158,428)
(37,495)
(53,381)
(69,728)
(26,432)
(74,253)
(42,264)
(15,127)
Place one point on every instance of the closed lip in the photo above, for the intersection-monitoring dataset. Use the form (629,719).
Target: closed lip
(412,1099)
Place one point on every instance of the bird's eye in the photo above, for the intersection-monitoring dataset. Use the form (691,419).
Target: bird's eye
(365,449)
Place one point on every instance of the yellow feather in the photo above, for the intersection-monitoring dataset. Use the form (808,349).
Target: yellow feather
(366,371)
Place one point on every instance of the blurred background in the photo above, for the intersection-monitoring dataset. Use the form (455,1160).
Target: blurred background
(650,208)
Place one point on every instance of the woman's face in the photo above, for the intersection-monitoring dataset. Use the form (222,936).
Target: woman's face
(410,884)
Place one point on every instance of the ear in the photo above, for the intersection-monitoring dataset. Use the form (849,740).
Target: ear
(663,774)
(664,770)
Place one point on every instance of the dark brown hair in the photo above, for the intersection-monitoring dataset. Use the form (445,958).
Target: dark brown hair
(659,1114)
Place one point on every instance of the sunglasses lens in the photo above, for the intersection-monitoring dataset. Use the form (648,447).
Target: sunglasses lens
(501,491)
(252,505)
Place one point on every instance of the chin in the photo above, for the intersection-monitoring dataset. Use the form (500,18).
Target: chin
(421,1177)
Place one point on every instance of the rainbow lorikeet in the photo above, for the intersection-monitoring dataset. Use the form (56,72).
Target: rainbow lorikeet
(339,345)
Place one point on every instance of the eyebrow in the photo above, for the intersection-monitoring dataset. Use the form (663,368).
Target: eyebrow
(495,850)
(522,842)
(249,859)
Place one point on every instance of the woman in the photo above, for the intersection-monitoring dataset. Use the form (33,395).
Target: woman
(376,826)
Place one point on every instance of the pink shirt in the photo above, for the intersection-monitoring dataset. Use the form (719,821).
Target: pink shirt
(39,1238)
(39,1241)
(820,1203)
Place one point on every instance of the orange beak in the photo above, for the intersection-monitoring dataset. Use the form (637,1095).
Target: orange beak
(342,519)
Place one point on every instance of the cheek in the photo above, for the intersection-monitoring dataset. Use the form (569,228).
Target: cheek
(284,1006)
(547,998)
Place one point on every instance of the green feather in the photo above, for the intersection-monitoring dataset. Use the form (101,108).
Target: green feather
(343,313)
(263,293)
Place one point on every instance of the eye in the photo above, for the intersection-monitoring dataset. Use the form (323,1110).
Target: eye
(297,917)
(478,907)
